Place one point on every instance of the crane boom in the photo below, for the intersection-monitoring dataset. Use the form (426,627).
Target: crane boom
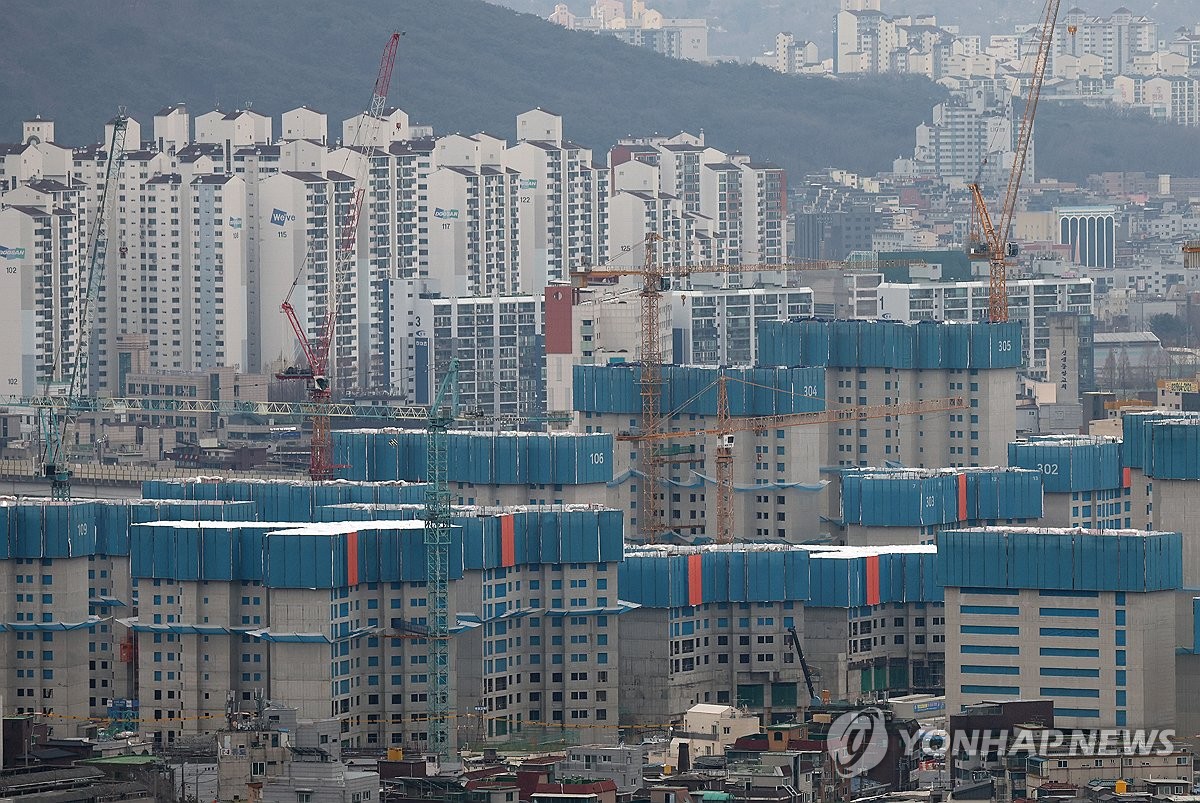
(59,422)
(316,351)
(655,278)
(761,423)
(996,236)
(808,677)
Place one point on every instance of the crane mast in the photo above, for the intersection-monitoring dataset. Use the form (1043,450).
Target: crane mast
(442,414)
(995,236)
(317,350)
(58,421)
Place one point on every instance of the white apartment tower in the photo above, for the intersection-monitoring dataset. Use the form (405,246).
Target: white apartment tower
(172,128)
(40,272)
(233,130)
(563,202)
(473,234)
(216,316)
(252,164)
(297,244)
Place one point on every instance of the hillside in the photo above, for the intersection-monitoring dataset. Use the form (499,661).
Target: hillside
(466,65)
(744,28)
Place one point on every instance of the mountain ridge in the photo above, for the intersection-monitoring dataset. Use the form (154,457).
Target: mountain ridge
(466,65)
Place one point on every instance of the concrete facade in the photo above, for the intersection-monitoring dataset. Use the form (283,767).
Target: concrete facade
(1106,658)
(1029,302)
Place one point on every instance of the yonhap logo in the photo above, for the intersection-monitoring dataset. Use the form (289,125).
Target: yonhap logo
(279,217)
(857,741)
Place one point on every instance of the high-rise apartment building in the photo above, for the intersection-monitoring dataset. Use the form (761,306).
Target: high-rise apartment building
(1083,617)
(1030,301)
(1117,39)
(332,630)
(41,268)
(500,349)
(972,137)
(563,201)
(714,626)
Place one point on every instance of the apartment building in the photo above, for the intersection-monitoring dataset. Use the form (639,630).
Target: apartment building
(794,55)
(232,130)
(714,626)
(300,217)
(67,588)
(40,255)
(1116,39)
(475,233)
(222,384)
(642,27)
(776,472)
(1083,480)
(871,363)
(884,506)
(500,348)
(1083,617)
(563,201)
(971,136)
(739,203)
(1166,97)
(874,625)
(332,631)
(635,215)
(486,467)
(254,163)
(1029,303)
(498,341)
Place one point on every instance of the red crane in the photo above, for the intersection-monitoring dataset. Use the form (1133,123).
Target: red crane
(316,352)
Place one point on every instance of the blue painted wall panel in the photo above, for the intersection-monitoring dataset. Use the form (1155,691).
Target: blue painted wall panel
(1174,450)
(687,390)
(890,344)
(1064,560)
(1070,464)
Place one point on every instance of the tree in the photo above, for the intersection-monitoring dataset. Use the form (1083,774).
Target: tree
(1170,329)
(1110,371)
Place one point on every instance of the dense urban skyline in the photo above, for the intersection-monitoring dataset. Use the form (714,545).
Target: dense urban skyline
(675,432)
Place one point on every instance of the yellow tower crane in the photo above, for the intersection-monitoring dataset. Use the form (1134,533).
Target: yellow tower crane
(989,240)
(655,279)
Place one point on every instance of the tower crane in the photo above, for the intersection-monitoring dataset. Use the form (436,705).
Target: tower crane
(59,420)
(727,427)
(316,351)
(442,414)
(655,279)
(994,244)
